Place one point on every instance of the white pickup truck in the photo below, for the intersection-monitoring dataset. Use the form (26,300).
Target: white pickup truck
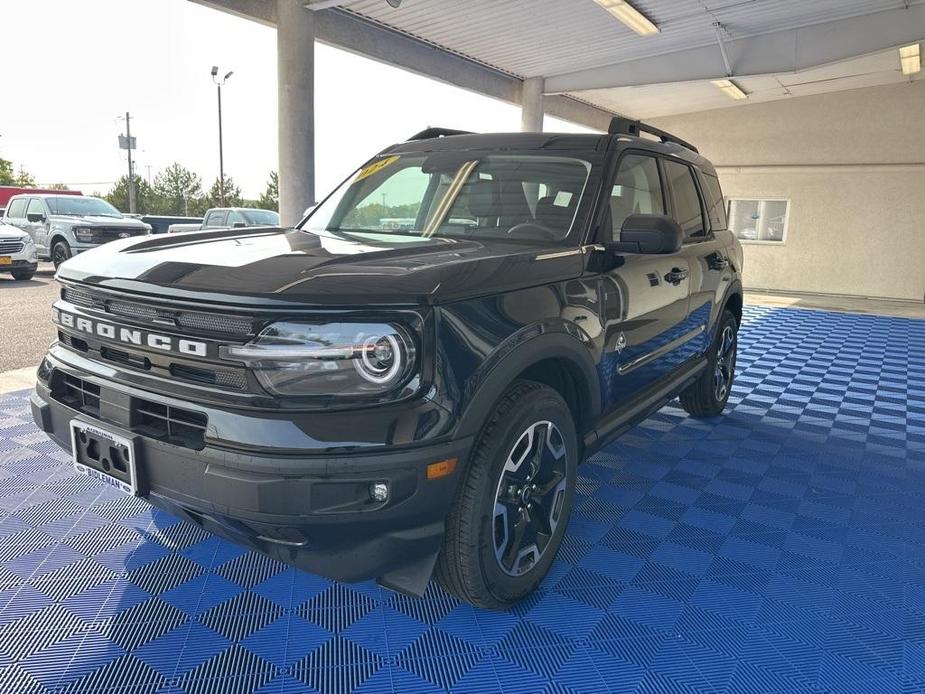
(230,218)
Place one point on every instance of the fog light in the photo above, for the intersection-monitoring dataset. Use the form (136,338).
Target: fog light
(379,491)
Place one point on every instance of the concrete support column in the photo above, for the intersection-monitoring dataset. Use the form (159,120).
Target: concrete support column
(295,46)
(531,100)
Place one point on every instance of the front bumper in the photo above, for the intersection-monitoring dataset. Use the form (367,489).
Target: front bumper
(313,511)
(20,265)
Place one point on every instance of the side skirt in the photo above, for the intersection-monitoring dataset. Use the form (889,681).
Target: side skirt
(643,405)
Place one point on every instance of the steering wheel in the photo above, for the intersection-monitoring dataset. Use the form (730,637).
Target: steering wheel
(544,231)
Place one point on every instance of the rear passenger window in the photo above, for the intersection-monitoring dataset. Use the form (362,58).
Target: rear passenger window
(17,208)
(716,208)
(685,202)
(636,190)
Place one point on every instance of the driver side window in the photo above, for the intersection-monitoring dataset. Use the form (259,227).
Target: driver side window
(637,189)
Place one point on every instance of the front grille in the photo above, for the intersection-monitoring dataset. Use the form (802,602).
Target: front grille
(82,297)
(223,379)
(131,310)
(77,394)
(174,425)
(171,424)
(196,321)
(8,247)
(104,234)
(214,323)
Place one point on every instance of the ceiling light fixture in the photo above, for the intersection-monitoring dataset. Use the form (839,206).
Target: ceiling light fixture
(730,89)
(630,16)
(911,59)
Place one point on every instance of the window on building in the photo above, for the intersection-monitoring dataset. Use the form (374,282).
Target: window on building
(759,220)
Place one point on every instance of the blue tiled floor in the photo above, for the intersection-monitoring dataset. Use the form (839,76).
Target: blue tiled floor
(779,548)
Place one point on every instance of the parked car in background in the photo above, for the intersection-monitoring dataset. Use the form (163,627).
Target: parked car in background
(160,224)
(7,192)
(63,225)
(17,253)
(231,218)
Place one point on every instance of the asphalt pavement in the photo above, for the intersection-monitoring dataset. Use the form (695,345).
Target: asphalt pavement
(25,318)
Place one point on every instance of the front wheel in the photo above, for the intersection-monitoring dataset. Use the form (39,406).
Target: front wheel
(60,252)
(22,274)
(510,514)
(707,396)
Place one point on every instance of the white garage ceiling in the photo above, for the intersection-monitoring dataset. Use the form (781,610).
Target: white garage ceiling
(565,40)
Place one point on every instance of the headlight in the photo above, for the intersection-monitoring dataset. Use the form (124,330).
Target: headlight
(27,243)
(84,234)
(329,359)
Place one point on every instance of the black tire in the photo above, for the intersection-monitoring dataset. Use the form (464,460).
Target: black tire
(60,252)
(707,396)
(22,274)
(470,565)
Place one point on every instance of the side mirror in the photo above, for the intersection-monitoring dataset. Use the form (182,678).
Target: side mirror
(308,210)
(35,218)
(653,234)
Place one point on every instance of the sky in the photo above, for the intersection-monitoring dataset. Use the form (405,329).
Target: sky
(81,65)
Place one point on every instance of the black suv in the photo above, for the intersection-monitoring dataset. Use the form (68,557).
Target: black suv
(404,384)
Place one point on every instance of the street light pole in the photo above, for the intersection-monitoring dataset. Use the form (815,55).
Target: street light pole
(221,157)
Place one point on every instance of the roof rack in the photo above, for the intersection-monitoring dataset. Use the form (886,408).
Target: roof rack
(430,133)
(627,126)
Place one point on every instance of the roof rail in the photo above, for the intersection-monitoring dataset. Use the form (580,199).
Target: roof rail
(430,133)
(627,126)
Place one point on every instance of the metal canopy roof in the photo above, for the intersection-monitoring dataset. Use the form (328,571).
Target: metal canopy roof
(775,48)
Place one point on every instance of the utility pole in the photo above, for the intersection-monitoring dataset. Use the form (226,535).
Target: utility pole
(221,159)
(131,171)
(127,142)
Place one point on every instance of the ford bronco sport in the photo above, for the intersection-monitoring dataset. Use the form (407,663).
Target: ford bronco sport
(403,385)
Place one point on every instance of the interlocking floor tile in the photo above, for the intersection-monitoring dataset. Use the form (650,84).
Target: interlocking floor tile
(779,548)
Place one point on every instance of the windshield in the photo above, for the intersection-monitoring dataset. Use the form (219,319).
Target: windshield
(81,206)
(261,217)
(458,195)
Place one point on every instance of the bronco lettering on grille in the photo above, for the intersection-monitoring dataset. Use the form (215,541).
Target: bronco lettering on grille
(130,336)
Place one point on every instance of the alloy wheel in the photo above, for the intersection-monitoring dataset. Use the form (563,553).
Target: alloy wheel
(725,364)
(529,498)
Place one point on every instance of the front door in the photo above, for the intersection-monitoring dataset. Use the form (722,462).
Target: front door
(646,299)
(37,224)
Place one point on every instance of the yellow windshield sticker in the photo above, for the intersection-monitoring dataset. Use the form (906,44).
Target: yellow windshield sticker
(375,167)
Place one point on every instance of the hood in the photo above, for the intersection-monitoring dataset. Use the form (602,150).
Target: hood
(101,221)
(8,231)
(249,266)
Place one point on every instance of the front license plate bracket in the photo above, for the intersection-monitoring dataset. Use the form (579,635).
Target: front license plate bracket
(105,456)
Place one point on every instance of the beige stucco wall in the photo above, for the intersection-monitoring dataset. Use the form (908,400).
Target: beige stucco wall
(852,165)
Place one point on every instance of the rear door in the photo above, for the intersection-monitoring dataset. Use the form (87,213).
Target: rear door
(645,300)
(701,217)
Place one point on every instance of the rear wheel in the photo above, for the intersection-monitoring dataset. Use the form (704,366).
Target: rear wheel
(512,509)
(60,252)
(707,396)
(22,274)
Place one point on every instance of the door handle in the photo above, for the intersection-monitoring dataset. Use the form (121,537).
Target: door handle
(719,262)
(677,275)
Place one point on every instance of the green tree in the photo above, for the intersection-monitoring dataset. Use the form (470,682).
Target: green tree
(145,200)
(178,191)
(269,200)
(24,179)
(9,177)
(59,186)
(232,194)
